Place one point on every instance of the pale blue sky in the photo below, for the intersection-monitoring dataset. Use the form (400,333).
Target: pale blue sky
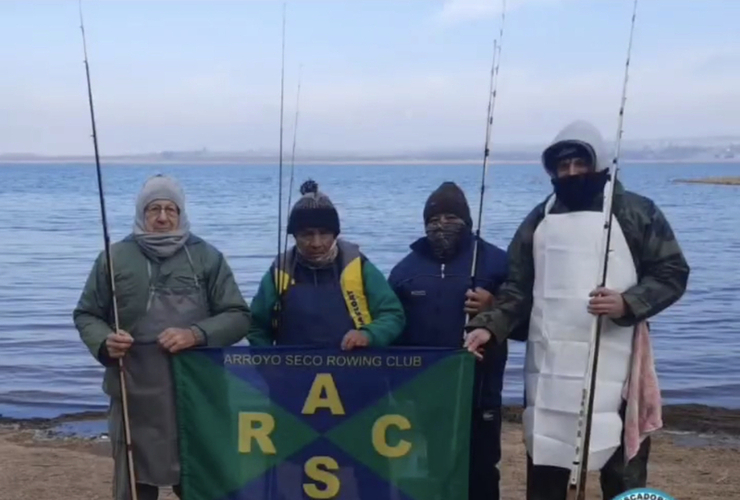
(378,75)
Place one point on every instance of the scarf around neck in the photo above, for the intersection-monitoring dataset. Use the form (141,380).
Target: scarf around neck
(328,258)
(160,246)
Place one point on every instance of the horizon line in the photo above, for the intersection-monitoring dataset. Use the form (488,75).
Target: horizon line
(528,149)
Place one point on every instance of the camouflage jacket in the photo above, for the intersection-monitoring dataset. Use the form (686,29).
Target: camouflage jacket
(661,267)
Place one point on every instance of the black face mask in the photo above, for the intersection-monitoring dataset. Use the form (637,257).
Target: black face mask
(578,192)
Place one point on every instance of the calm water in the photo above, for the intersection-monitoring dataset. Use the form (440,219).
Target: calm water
(50,234)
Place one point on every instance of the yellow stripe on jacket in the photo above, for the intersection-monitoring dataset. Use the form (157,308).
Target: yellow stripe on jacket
(350,280)
(353,289)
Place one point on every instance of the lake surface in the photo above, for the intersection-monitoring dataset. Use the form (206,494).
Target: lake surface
(50,233)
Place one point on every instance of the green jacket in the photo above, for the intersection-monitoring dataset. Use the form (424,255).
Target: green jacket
(661,267)
(93,315)
(386,311)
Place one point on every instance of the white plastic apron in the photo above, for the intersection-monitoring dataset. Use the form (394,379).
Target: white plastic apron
(567,254)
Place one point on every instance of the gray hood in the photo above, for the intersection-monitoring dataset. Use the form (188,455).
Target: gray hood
(158,246)
(584,134)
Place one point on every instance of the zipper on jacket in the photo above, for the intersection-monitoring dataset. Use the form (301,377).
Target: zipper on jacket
(443,270)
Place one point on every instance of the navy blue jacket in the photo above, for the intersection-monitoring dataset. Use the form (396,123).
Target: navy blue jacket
(433,297)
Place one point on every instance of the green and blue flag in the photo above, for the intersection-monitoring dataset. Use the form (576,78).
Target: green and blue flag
(283,423)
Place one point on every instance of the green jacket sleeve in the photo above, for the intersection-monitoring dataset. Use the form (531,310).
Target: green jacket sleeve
(386,310)
(231,317)
(260,332)
(90,314)
(664,271)
(513,300)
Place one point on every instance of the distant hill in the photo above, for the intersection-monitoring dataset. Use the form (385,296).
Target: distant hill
(667,150)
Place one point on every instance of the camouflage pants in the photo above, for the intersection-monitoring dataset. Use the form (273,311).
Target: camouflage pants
(551,483)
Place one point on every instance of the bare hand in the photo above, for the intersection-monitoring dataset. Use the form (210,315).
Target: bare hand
(354,338)
(177,339)
(117,344)
(607,302)
(475,341)
(478,301)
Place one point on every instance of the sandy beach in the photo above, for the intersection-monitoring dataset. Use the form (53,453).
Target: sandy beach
(695,457)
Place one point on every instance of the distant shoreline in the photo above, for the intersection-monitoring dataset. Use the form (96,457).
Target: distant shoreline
(698,418)
(717,181)
(367,162)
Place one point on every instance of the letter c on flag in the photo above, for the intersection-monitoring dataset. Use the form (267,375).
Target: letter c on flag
(379,436)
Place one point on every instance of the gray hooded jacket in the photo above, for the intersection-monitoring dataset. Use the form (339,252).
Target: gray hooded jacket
(661,266)
(586,135)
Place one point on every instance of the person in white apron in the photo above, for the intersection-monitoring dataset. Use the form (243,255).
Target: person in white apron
(554,261)
(174,292)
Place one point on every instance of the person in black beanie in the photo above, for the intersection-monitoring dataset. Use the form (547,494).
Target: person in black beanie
(433,283)
(330,294)
(446,219)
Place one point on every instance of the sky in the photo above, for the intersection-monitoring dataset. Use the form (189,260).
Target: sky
(376,75)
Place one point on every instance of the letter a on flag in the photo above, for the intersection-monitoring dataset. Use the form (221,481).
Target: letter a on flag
(284,423)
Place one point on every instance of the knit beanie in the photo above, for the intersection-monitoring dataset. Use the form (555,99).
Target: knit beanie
(313,210)
(448,198)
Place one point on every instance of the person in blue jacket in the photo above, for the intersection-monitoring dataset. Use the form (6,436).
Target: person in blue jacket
(433,283)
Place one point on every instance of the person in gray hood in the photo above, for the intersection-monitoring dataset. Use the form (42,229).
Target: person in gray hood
(551,295)
(174,291)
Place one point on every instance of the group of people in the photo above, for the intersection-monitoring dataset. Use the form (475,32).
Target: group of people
(175,291)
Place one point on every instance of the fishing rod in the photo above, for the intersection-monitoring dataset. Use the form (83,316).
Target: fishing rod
(578,475)
(109,260)
(292,159)
(492,93)
(279,274)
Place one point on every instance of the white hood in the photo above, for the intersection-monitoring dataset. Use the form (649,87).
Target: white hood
(583,133)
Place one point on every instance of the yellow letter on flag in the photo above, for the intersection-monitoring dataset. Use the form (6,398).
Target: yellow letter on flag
(323,383)
(313,470)
(261,434)
(379,439)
